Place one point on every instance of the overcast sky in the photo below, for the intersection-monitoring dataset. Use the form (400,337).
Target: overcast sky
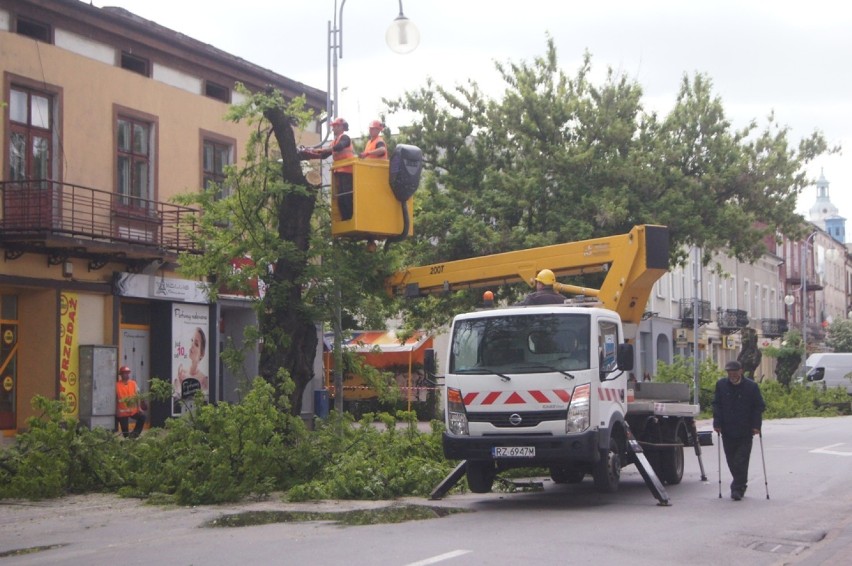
(787,56)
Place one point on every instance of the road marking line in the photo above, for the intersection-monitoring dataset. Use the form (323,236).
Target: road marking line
(825,450)
(440,558)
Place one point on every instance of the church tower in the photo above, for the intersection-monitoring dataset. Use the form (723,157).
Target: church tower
(824,214)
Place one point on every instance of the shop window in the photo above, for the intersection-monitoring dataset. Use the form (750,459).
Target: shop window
(135,313)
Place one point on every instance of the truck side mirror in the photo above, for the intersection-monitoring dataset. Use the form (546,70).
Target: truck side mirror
(816,374)
(625,357)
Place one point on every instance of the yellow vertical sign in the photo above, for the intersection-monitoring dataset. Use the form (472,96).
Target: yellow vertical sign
(69,367)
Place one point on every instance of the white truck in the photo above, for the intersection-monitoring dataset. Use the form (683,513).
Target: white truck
(547,386)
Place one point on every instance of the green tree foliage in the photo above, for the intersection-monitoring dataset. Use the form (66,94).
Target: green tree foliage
(839,337)
(558,158)
(224,453)
(682,370)
(800,401)
(367,462)
(789,356)
(56,455)
(274,216)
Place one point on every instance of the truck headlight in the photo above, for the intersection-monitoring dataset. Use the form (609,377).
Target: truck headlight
(456,414)
(579,409)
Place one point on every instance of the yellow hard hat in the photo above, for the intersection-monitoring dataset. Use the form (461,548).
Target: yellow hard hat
(546,277)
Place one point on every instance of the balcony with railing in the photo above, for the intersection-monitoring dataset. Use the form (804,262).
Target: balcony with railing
(686,309)
(773,327)
(731,320)
(74,221)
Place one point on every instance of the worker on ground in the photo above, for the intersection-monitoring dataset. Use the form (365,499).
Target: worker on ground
(127,404)
(544,293)
(737,415)
(340,149)
(376,147)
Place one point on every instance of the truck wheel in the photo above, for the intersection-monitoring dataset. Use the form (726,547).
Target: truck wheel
(480,476)
(607,471)
(670,469)
(566,475)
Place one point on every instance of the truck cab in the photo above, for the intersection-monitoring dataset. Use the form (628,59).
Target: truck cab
(537,386)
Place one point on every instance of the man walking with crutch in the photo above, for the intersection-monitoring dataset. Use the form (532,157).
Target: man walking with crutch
(737,415)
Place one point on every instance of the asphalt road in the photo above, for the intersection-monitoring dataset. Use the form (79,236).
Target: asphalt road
(806,520)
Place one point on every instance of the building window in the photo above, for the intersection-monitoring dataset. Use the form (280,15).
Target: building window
(135,64)
(218,92)
(217,155)
(33,29)
(30,133)
(134,140)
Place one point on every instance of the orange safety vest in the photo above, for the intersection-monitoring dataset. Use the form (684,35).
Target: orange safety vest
(126,407)
(374,144)
(345,153)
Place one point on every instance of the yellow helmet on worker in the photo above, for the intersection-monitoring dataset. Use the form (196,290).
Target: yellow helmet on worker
(546,277)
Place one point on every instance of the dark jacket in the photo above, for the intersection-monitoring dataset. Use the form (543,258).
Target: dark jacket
(737,409)
(543,297)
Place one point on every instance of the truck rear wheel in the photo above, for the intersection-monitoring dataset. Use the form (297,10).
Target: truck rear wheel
(607,471)
(480,476)
(670,468)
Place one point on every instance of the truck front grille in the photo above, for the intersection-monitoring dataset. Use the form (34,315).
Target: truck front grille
(528,418)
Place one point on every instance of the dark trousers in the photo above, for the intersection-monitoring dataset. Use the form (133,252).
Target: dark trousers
(344,194)
(737,454)
(124,425)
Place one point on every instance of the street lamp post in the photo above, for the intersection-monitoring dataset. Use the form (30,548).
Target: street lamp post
(402,37)
(804,286)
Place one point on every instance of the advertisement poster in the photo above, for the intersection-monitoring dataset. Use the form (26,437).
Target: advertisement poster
(190,363)
(69,359)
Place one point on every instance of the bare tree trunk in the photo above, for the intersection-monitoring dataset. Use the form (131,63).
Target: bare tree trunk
(290,336)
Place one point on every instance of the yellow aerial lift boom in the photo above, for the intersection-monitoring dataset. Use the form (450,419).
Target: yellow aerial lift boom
(632,262)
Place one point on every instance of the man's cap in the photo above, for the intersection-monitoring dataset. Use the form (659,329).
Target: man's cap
(124,369)
(733,366)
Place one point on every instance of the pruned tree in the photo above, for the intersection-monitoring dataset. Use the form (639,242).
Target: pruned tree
(275,216)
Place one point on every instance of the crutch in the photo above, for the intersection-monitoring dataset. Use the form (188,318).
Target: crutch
(719,459)
(763,459)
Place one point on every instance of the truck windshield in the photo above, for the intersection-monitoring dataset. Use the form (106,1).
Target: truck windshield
(520,344)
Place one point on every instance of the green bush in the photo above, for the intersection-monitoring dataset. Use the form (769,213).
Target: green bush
(364,462)
(682,370)
(227,452)
(218,453)
(801,401)
(57,455)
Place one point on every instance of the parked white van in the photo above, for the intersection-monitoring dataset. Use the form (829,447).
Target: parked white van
(829,369)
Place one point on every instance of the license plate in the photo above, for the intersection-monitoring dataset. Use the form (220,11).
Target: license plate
(513,451)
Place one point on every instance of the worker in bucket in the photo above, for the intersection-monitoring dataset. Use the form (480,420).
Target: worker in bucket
(339,150)
(544,293)
(376,147)
(737,415)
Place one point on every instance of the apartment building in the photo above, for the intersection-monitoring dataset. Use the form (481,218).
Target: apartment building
(801,284)
(106,116)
